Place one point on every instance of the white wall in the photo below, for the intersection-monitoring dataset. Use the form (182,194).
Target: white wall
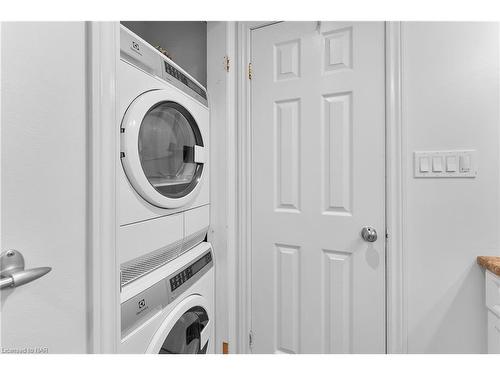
(450,101)
(44,183)
(185,41)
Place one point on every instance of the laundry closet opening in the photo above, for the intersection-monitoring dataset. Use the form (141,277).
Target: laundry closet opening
(167,266)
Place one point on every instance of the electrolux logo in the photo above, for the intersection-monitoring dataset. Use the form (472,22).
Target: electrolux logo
(141,307)
(142,304)
(136,47)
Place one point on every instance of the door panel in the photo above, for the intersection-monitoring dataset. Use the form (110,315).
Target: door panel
(318,156)
(44,185)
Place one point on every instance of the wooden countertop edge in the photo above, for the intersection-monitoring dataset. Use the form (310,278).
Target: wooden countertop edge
(490,263)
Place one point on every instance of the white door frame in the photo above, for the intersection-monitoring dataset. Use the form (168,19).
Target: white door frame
(395,306)
(396,334)
(103,53)
(243,185)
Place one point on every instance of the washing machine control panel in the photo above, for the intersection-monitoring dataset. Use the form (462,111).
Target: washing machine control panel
(149,302)
(187,273)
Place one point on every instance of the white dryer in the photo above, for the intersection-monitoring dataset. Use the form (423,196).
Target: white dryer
(170,310)
(162,168)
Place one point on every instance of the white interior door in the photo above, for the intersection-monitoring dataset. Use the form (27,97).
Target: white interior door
(44,185)
(318,156)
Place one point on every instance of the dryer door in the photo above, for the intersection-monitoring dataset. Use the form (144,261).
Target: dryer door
(162,148)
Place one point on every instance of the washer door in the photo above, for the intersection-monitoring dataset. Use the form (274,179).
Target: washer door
(186,330)
(162,148)
(186,334)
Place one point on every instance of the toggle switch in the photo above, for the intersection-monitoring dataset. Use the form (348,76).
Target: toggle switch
(465,163)
(437,164)
(424,164)
(451,163)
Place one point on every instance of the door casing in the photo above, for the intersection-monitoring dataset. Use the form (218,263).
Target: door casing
(103,54)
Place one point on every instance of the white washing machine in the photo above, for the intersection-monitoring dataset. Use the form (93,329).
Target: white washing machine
(170,310)
(162,169)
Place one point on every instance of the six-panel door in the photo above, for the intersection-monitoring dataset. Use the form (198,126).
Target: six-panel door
(318,131)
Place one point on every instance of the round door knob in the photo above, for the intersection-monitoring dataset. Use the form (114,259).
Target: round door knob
(369,234)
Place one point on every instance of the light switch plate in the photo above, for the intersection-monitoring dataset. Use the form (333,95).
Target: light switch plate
(447,164)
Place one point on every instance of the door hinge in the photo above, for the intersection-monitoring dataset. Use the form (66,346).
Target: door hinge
(226,63)
(250,72)
(250,339)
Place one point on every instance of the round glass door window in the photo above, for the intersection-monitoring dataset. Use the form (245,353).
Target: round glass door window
(185,335)
(169,139)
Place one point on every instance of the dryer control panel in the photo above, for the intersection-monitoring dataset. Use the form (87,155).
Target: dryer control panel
(174,76)
(149,302)
(142,55)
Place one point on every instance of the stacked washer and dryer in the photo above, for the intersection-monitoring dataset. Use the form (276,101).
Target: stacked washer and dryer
(166,267)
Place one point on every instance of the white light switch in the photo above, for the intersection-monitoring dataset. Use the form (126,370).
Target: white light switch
(451,163)
(465,163)
(424,164)
(437,164)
